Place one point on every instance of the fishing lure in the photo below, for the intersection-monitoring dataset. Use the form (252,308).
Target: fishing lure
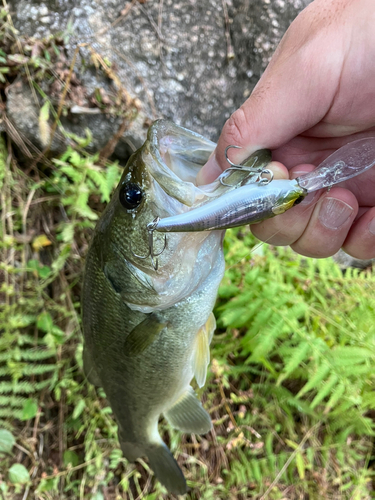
(253,201)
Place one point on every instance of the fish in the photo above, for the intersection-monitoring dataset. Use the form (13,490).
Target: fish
(147,315)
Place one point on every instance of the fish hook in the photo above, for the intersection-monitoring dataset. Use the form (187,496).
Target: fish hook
(150,236)
(255,174)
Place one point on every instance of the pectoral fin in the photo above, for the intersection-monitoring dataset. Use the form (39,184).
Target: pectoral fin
(143,335)
(201,357)
(188,414)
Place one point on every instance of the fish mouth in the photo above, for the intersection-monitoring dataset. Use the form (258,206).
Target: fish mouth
(173,156)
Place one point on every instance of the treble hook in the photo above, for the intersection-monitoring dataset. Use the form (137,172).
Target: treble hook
(254,172)
(150,236)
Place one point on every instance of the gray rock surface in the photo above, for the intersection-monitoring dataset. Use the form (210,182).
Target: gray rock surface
(23,112)
(345,260)
(171,54)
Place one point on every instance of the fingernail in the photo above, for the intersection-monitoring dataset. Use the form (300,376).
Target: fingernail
(334,213)
(371,227)
(309,198)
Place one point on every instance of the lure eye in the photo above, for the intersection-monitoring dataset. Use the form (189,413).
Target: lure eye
(131,196)
(298,200)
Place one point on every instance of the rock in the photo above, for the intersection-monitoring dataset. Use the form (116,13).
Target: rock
(23,108)
(345,261)
(171,55)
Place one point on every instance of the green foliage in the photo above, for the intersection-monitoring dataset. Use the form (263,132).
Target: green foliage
(291,385)
(18,474)
(303,321)
(303,335)
(40,360)
(30,409)
(6,441)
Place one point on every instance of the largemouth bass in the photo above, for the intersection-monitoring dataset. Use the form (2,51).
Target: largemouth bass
(147,332)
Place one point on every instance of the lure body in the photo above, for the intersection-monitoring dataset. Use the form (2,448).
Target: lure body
(253,202)
(248,204)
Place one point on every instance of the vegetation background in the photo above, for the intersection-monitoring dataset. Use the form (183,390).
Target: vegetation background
(291,384)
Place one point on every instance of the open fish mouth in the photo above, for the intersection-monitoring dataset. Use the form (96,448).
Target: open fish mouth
(177,155)
(174,156)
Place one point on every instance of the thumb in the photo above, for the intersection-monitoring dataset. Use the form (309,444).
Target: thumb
(294,94)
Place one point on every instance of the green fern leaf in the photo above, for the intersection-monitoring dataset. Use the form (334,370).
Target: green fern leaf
(337,393)
(298,355)
(325,390)
(321,372)
(37,354)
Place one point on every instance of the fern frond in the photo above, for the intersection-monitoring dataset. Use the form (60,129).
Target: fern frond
(321,372)
(37,354)
(23,387)
(12,401)
(325,390)
(37,369)
(298,355)
(11,413)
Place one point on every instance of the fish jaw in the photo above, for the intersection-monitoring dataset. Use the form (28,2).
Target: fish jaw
(183,268)
(165,169)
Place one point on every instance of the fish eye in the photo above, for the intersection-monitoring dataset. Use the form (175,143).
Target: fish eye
(131,195)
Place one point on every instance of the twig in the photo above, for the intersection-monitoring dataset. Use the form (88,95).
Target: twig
(112,143)
(45,198)
(63,97)
(36,424)
(24,450)
(145,489)
(26,209)
(71,469)
(290,459)
(122,16)
(14,134)
(110,73)
(230,52)
(153,24)
(61,415)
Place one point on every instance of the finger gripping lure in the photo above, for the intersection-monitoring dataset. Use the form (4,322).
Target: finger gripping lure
(250,202)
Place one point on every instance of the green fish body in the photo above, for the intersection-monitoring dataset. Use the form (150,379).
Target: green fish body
(147,332)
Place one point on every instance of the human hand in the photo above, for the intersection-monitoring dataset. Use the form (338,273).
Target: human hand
(316,95)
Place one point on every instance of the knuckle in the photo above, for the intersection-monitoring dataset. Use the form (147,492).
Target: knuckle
(235,128)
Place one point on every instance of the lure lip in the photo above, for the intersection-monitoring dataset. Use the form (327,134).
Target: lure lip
(352,159)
